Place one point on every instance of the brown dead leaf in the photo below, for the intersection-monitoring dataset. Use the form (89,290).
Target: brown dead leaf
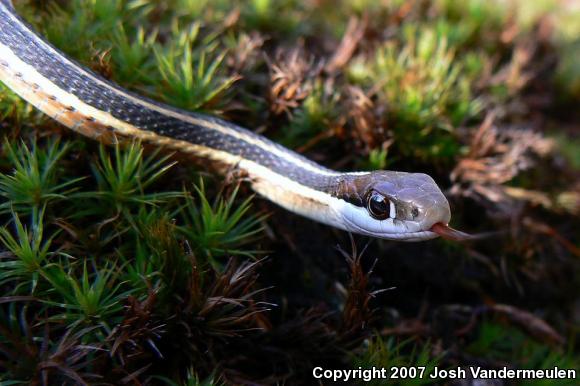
(539,227)
(496,156)
(532,324)
(246,53)
(353,35)
(362,112)
(519,71)
(287,80)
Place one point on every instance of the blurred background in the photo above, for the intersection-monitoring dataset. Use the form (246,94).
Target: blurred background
(121,266)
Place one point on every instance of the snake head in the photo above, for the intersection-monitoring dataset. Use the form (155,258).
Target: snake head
(393,205)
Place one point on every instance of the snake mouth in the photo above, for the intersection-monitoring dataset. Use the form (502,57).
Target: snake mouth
(397,236)
(448,233)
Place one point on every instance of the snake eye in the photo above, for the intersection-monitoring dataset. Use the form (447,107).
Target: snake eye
(379,206)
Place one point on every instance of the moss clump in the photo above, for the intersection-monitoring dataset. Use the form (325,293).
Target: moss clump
(427,91)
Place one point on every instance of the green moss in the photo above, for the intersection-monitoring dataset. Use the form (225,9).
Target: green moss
(427,91)
(221,228)
(190,379)
(314,116)
(84,247)
(470,21)
(381,353)
(570,149)
(568,71)
(498,342)
(36,178)
(13,107)
(190,76)
(29,254)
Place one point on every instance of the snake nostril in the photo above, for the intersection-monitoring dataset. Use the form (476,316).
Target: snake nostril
(415,212)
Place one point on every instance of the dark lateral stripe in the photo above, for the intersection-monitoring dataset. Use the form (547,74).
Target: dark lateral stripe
(107,97)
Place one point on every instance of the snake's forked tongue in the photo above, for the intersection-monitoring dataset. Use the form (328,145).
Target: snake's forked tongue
(449,233)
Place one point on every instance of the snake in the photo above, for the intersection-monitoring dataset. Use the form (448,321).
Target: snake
(384,204)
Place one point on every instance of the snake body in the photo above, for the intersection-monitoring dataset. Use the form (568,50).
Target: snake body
(386,204)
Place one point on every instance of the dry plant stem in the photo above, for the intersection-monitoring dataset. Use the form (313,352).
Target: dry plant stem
(354,33)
